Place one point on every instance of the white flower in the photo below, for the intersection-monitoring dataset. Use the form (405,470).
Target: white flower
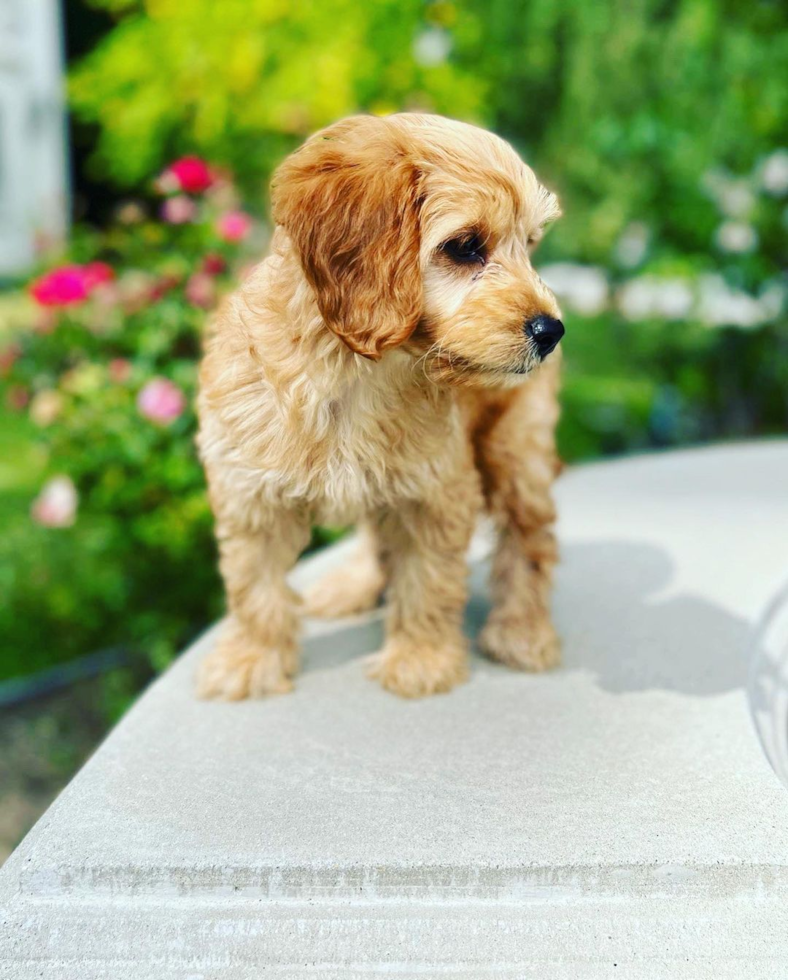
(719,305)
(583,288)
(632,246)
(736,199)
(431,47)
(772,299)
(636,299)
(774,173)
(46,407)
(653,296)
(675,299)
(56,505)
(736,236)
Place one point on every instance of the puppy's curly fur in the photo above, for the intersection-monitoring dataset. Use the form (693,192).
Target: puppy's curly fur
(375,368)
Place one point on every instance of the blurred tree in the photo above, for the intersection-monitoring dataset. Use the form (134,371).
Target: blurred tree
(627,103)
(624,104)
(241,81)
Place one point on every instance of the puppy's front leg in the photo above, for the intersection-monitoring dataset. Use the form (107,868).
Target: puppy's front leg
(520,464)
(423,551)
(257,652)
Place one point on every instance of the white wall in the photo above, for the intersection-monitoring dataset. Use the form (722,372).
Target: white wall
(33,169)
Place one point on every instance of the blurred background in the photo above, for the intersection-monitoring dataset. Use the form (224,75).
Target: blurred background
(137,138)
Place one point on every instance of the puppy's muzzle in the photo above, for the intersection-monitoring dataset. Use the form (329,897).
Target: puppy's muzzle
(545,331)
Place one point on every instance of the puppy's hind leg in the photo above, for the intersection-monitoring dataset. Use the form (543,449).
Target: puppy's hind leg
(519,631)
(519,464)
(354,586)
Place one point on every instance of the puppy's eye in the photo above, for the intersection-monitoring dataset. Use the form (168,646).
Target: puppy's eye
(467,250)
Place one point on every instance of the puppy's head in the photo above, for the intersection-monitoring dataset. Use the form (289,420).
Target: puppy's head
(415,230)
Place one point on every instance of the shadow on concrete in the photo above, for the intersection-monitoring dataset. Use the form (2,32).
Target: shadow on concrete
(613,623)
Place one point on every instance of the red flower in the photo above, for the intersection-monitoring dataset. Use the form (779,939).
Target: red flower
(164,285)
(189,174)
(214,264)
(96,274)
(65,286)
(70,284)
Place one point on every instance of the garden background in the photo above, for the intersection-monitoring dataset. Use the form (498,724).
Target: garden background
(662,124)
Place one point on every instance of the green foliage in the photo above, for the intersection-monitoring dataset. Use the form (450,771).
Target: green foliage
(242,80)
(624,105)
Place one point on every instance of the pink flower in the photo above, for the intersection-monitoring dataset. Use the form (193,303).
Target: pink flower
(201,290)
(65,286)
(179,210)
(70,284)
(189,174)
(56,505)
(234,226)
(161,401)
(119,369)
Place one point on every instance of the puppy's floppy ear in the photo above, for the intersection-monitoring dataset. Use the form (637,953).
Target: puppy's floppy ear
(350,200)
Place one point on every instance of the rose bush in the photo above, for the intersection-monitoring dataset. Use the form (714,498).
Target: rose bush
(117,548)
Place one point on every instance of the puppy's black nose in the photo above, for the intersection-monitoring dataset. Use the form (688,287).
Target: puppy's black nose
(545,331)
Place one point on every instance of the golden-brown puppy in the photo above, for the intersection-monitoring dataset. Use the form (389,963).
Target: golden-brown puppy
(388,363)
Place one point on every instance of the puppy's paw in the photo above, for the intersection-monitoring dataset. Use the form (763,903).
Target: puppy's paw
(239,668)
(345,591)
(414,671)
(520,643)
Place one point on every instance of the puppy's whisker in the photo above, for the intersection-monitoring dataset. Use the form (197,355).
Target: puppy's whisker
(438,347)
(434,351)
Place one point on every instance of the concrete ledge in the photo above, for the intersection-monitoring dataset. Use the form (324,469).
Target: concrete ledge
(614,818)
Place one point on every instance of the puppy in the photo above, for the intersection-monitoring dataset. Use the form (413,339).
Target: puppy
(391,362)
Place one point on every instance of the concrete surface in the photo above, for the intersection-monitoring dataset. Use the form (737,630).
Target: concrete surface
(616,818)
